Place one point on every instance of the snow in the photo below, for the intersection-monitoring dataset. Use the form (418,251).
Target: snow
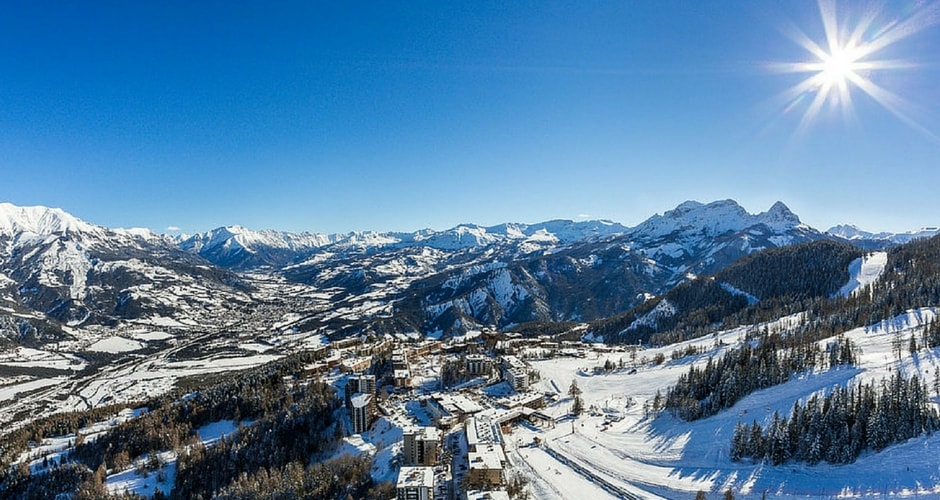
(11,391)
(213,432)
(662,310)
(116,345)
(383,442)
(751,300)
(40,220)
(863,272)
(145,485)
(713,219)
(668,458)
(149,335)
(851,232)
(34,358)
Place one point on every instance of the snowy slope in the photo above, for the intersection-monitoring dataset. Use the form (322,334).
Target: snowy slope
(669,458)
(40,221)
(863,272)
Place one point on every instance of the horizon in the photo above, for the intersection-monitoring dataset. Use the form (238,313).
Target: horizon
(172,231)
(329,119)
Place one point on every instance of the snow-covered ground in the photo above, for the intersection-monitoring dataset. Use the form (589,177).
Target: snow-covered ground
(116,345)
(669,458)
(145,484)
(863,272)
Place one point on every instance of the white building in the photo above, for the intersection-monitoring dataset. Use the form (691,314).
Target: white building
(486,466)
(415,483)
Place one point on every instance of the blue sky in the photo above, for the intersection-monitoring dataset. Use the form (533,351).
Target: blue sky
(399,116)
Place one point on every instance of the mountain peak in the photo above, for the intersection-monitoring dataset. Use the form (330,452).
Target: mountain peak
(779,217)
(715,218)
(40,220)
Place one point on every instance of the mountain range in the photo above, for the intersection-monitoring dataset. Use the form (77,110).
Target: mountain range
(60,276)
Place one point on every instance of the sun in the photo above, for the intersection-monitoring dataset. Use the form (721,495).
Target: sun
(847,61)
(837,68)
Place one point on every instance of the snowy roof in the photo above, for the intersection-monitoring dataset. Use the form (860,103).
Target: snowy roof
(360,400)
(514,362)
(520,399)
(457,403)
(416,477)
(480,432)
(488,457)
(425,433)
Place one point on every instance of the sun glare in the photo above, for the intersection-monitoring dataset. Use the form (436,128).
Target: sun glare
(846,61)
(838,67)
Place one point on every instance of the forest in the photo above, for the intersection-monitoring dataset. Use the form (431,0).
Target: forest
(841,425)
(294,426)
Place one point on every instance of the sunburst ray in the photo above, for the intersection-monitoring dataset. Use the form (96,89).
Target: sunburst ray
(842,62)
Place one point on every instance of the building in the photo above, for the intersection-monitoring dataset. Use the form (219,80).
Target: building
(517,378)
(447,409)
(421,446)
(415,483)
(480,432)
(361,409)
(361,383)
(423,349)
(356,365)
(399,359)
(401,378)
(486,466)
(516,373)
(478,365)
(534,400)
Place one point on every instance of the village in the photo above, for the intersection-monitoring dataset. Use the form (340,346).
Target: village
(452,403)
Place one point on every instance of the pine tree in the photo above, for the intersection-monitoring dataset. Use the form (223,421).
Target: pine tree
(577,406)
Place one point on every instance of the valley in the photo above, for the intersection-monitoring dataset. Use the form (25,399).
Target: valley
(488,336)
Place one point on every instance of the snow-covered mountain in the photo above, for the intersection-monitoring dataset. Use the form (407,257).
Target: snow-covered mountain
(855,234)
(39,221)
(714,219)
(67,270)
(702,238)
(58,269)
(596,278)
(239,248)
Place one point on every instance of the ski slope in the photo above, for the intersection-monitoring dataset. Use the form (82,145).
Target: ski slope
(664,457)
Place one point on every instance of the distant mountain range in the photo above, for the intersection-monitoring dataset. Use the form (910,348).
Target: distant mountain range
(854,234)
(59,274)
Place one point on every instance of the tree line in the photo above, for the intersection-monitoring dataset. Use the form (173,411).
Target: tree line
(839,426)
(771,360)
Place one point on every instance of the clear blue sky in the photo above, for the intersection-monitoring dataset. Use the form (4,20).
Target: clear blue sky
(403,115)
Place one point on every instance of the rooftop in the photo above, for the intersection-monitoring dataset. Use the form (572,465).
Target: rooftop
(489,456)
(416,477)
(360,400)
(425,433)
(458,403)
